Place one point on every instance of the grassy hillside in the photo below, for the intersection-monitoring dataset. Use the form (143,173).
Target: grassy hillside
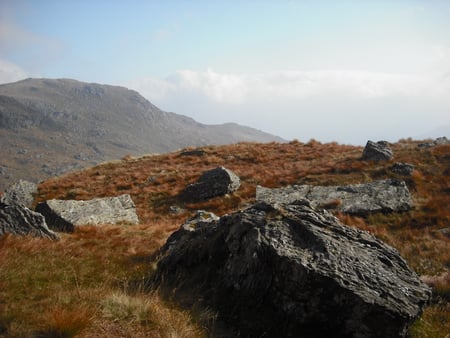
(92,283)
(49,127)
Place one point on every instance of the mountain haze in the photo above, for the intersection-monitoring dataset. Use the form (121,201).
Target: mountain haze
(52,126)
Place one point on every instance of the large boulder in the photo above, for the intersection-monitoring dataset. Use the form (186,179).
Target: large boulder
(21,221)
(377,151)
(216,182)
(292,271)
(64,215)
(359,199)
(20,193)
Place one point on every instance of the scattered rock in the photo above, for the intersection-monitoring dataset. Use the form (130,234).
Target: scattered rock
(439,141)
(378,151)
(19,220)
(195,152)
(175,209)
(20,193)
(359,199)
(404,169)
(217,182)
(292,271)
(64,215)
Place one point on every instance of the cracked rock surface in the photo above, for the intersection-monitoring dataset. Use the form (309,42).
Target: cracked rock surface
(359,199)
(291,271)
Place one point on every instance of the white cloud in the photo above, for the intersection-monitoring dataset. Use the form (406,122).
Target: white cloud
(10,72)
(349,106)
(297,85)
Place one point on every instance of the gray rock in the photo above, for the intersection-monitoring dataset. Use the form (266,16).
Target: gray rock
(404,169)
(20,193)
(64,215)
(217,182)
(439,141)
(378,151)
(359,199)
(21,221)
(292,271)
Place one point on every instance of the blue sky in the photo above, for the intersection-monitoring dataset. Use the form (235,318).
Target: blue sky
(343,71)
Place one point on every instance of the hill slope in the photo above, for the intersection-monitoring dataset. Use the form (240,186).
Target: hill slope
(92,280)
(51,126)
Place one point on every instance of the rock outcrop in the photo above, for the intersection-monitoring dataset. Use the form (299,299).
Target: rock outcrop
(404,169)
(20,193)
(64,215)
(377,151)
(292,271)
(216,182)
(437,142)
(358,199)
(19,220)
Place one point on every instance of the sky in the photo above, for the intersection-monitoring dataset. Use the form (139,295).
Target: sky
(344,71)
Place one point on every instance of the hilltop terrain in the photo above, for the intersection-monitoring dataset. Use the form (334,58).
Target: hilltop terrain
(48,127)
(94,282)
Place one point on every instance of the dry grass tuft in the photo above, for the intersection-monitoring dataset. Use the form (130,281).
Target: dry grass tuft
(61,322)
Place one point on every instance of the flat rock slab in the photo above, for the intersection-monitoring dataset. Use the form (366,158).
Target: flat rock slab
(20,193)
(358,199)
(21,221)
(292,271)
(64,215)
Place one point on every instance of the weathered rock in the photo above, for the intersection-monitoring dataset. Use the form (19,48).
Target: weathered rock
(20,193)
(216,182)
(200,219)
(64,215)
(292,271)
(404,169)
(378,151)
(359,199)
(439,141)
(19,220)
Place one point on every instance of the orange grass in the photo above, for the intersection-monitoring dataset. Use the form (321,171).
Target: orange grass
(90,266)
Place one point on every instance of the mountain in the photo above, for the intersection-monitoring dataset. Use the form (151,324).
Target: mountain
(52,126)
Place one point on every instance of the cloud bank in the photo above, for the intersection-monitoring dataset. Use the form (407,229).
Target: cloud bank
(347,106)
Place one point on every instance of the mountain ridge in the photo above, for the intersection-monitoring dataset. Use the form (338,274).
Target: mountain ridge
(50,126)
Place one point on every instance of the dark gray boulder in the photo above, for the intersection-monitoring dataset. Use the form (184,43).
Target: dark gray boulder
(21,221)
(216,182)
(292,271)
(359,199)
(404,169)
(20,193)
(377,151)
(64,215)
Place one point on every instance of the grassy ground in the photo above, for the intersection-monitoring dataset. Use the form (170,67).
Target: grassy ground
(91,283)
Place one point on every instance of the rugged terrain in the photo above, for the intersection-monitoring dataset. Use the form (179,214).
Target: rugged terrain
(95,281)
(48,127)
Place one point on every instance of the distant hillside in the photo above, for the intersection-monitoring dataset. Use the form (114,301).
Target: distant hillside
(48,127)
